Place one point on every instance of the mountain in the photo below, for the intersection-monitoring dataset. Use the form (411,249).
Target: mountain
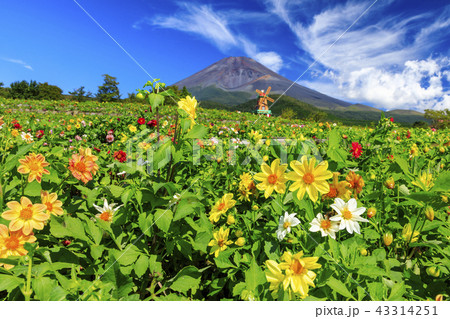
(241,76)
(232,81)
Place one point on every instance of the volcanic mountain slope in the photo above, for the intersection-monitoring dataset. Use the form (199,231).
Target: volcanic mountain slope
(241,76)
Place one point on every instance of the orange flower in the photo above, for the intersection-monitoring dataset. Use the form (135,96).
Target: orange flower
(34,166)
(356,182)
(52,203)
(25,216)
(81,168)
(87,153)
(11,243)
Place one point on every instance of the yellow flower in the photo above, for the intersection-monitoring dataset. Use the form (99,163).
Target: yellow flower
(272,178)
(77,125)
(338,189)
(189,105)
(25,216)
(34,166)
(274,276)
(52,203)
(425,181)
(255,135)
(231,220)
(221,207)
(69,127)
(246,179)
(414,151)
(132,128)
(87,154)
(356,182)
(124,138)
(220,241)
(11,244)
(15,133)
(309,178)
(408,235)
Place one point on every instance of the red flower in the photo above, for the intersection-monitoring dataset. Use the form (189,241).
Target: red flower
(40,133)
(66,242)
(391,119)
(408,135)
(356,149)
(97,149)
(17,126)
(141,121)
(152,123)
(120,156)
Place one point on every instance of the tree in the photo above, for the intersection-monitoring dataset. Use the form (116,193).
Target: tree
(80,94)
(288,113)
(109,91)
(49,92)
(24,90)
(440,119)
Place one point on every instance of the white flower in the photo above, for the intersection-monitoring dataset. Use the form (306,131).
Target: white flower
(175,200)
(107,211)
(27,137)
(121,173)
(326,226)
(348,215)
(286,222)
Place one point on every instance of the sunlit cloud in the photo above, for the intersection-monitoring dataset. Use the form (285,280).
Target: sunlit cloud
(20,62)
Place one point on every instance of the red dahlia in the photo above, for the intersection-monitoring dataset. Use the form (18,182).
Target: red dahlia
(356,149)
(152,123)
(120,156)
(141,121)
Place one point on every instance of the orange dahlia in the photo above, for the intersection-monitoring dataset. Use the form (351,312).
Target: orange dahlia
(34,166)
(87,153)
(356,182)
(81,168)
(11,243)
(53,205)
(25,216)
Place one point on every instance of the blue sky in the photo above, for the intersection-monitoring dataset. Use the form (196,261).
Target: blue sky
(396,54)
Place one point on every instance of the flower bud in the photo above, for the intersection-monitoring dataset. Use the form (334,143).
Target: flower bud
(268,142)
(363,252)
(230,220)
(371,212)
(239,233)
(265,158)
(433,271)
(426,149)
(444,198)
(390,183)
(442,149)
(255,207)
(429,212)
(140,96)
(240,241)
(388,238)
(440,297)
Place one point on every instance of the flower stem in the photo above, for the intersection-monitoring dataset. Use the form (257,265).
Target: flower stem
(27,292)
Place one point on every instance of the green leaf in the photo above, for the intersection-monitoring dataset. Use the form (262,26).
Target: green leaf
(145,223)
(97,251)
(339,287)
(186,206)
(163,219)
(9,282)
(141,265)
(76,228)
(376,290)
(201,241)
(33,189)
(397,292)
(127,256)
(198,131)
(13,160)
(155,99)
(442,182)
(254,276)
(155,265)
(116,191)
(223,260)
(187,278)
(95,232)
(47,289)
(123,284)
(371,271)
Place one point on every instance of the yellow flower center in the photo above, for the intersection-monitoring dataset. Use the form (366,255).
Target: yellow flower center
(221,206)
(286,225)
(297,267)
(308,178)
(105,216)
(272,179)
(80,166)
(325,224)
(33,166)
(346,214)
(12,243)
(26,213)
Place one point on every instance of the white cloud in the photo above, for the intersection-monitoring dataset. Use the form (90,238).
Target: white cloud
(215,27)
(20,62)
(379,63)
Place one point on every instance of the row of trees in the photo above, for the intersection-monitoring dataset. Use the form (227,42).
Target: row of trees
(107,92)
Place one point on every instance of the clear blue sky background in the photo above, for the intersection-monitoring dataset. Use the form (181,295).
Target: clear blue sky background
(395,56)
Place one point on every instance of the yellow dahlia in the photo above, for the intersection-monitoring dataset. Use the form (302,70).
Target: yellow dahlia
(34,166)
(309,178)
(220,241)
(25,216)
(338,189)
(272,178)
(356,182)
(425,181)
(11,243)
(189,105)
(53,205)
(221,207)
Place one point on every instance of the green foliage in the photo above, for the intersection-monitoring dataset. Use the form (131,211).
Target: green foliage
(24,90)
(109,90)
(49,92)
(80,94)
(440,119)
(288,114)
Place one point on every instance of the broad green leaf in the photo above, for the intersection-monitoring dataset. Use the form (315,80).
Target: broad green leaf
(397,292)
(187,278)
(163,219)
(127,256)
(254,276)
(123,285)
(339,287)
(141,265)
(33,189)
(442,182)
(9,282)
(47,289)
(198,131)
(201,241)
(116,191)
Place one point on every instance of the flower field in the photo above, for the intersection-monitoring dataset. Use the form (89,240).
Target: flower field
(111,201)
